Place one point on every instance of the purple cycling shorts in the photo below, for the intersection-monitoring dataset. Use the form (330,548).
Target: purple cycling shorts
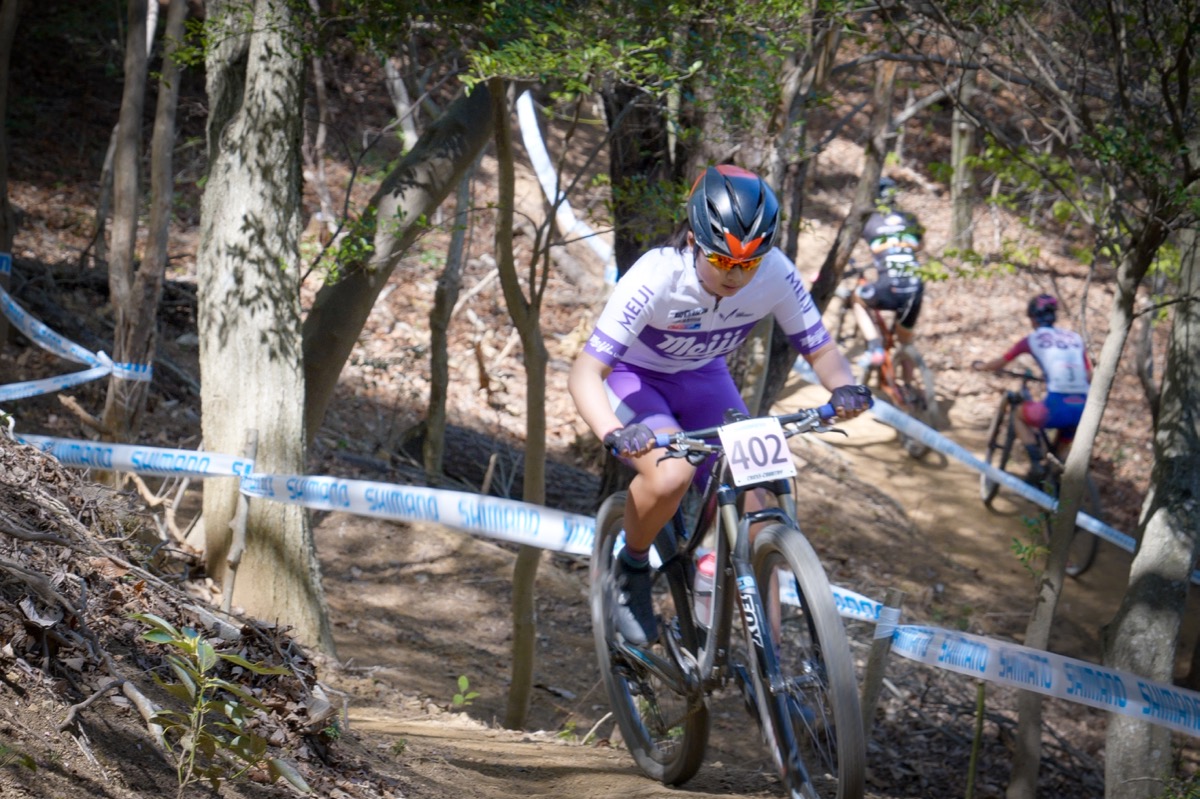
(685,401)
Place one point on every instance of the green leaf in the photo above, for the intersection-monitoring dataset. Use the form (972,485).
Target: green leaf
(206,655)
(257,668)
(281,768)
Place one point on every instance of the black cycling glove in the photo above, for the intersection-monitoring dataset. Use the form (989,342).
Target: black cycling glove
(851,399)
(629,440)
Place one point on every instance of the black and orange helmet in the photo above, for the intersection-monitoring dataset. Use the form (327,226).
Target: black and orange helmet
(1043,309)
(733,213)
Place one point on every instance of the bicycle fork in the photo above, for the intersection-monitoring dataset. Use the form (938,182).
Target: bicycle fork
(770,707)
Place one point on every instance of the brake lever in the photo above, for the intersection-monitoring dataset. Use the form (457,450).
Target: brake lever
(694,457)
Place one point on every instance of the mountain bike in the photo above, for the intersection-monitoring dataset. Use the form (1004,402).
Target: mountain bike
(903,378)
(789,658)
(1001,436)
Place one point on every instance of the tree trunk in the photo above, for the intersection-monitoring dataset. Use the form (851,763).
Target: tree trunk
(525,313)
(962,144)
(126,206)
(444,298)
(400,209)
(248,270)
(868,185)
(1133,267)
(136,305)
(9,12)
(1143,636)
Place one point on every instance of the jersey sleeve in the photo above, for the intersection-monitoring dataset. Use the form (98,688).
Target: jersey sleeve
(797,314)
(624,315)
(1020,348)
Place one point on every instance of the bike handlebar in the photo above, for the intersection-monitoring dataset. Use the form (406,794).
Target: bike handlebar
(801,421)
(1027,374)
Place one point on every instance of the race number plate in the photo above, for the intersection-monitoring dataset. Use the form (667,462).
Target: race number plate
(757,451)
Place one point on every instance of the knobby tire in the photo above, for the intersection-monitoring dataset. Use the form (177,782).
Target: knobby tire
(665,732)
(1082,550)
(817,670)
(999,449)
(917,394)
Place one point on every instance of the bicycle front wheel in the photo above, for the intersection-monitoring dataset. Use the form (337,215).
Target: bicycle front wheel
(664,726)
(1000,440)
(916,393)
(816,670)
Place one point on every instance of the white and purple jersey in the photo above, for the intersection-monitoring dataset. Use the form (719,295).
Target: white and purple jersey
(660,318)
(1061,355)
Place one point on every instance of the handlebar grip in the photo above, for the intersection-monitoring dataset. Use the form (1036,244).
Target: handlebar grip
(826,411)
(662,439)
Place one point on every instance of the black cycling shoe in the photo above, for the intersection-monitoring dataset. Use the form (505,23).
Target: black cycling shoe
(633,608)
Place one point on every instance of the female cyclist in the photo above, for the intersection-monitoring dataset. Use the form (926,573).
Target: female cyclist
(655,362)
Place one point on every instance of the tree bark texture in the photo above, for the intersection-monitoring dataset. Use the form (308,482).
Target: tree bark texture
(962,146)
(401,206)
(1143,636)
(444,297)
(249,312)
(136,332)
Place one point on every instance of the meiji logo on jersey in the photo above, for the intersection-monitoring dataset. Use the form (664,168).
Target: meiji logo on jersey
(600,345)
(691,347)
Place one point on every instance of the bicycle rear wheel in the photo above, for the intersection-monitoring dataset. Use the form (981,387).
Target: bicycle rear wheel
(1082,550)
(664,725)
(817,672)
(916,394)
(1000,440)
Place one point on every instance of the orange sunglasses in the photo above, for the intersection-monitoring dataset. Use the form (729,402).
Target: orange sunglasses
(725,263)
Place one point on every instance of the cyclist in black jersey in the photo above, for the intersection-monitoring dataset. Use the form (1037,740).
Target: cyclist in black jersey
(894,237)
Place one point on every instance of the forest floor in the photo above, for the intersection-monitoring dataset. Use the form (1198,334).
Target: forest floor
(416,607)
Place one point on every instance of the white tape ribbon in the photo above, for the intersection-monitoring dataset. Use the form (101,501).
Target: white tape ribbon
(101,365)
(568,223)
(503,519)
(142,460)
(1052,675)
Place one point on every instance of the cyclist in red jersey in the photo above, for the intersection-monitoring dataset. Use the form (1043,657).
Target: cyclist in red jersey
(656,360)
(1067,370)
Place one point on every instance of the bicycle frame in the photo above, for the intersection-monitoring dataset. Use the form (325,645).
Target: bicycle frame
(1047,442)
(732,549)
(713,666)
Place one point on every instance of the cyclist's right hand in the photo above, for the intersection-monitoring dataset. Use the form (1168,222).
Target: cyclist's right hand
(850,401)
(632,439)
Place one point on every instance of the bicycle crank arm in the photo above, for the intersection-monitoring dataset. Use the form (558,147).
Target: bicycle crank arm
(670,673)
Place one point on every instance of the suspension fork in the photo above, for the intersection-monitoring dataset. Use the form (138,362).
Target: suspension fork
(772,708)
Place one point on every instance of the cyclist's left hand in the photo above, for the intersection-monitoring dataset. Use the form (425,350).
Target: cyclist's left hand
(850,401)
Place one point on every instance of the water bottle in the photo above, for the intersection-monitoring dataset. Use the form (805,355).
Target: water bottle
(706,577)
